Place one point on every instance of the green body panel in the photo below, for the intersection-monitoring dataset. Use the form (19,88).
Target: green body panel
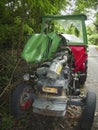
(67,17)
(43,46)
(40,47)
(54,43)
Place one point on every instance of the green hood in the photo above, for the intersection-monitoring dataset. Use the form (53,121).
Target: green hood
(40,47)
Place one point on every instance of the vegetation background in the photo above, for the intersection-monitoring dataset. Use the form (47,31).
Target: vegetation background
(19,19)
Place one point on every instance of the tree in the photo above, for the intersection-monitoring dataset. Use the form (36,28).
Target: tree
(85,6)
(22,17)
(81,6)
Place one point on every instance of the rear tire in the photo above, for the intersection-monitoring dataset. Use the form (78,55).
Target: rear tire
(88,112)
(21,99)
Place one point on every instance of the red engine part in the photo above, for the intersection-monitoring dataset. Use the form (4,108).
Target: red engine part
(80,56)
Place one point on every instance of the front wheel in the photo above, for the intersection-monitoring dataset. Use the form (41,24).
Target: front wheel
(88,111)
(21,99)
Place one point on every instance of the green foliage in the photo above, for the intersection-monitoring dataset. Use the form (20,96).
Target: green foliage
(82,5)
(92,35)
(27,29)
(7,122)
(7,64)
(20,18)
(93,39)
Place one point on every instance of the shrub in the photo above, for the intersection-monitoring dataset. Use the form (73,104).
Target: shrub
(93,39)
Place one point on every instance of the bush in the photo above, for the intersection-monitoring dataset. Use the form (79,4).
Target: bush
(7,64)
(7,122)
(93,39)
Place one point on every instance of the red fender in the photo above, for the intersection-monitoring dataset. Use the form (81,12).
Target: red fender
(80,56)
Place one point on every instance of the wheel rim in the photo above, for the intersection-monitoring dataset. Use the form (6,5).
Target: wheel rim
(25,99)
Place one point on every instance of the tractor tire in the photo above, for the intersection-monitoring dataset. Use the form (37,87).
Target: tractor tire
(21,99)
(88,111)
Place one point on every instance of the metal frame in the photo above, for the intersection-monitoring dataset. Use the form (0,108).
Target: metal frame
(81,17)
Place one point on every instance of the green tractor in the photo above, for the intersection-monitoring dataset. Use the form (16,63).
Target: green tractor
(61,52)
